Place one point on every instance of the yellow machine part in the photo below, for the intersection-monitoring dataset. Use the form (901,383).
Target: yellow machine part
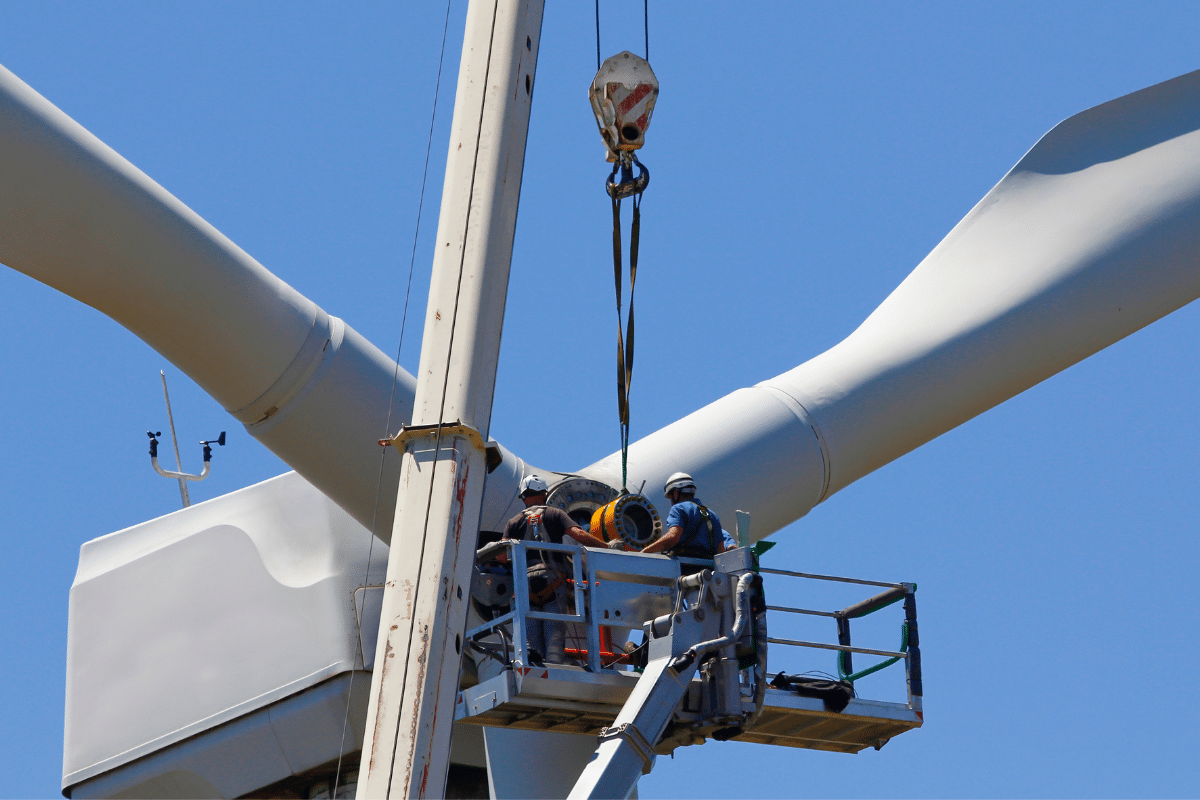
(632,518)
(604,522)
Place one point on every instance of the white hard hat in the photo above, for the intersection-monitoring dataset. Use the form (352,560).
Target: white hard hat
(680,480)
(532,484)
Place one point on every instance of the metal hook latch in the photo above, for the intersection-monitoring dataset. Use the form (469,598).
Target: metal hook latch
(628,186)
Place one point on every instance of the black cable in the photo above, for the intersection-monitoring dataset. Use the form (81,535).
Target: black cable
(395,375)
(507,646)
(646,24)
(597,35)
(478,648)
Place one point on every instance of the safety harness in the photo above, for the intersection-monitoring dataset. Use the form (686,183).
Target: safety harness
(536,531)
(688,547)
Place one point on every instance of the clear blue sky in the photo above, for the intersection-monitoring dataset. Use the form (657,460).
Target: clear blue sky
(805,158)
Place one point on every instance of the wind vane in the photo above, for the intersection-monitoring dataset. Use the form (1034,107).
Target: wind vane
(180,475)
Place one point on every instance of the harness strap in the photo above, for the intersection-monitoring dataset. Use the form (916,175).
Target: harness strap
(712,536)
(688,546)
(533,519)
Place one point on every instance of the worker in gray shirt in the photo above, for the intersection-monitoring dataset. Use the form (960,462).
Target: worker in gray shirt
(547,572)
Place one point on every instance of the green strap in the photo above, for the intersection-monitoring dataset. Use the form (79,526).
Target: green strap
(762,546)
(881,665)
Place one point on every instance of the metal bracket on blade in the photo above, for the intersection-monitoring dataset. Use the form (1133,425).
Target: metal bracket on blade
(636,740)
(408,433)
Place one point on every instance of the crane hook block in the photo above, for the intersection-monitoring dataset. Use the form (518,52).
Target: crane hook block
(623,96)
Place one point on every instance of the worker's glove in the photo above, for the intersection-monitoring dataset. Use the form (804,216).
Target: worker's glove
(616,544)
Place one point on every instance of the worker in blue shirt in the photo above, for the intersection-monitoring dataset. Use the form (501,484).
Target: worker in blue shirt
(693,531)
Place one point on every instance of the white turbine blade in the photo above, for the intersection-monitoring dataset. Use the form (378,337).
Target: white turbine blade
(80,218)
(1094,234)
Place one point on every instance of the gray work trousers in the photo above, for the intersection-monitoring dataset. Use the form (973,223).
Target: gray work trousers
(546,636)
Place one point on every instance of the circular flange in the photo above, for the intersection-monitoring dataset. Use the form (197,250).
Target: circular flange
(580,497)
(632,518)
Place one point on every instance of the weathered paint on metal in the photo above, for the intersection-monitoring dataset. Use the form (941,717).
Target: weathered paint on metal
(444,462)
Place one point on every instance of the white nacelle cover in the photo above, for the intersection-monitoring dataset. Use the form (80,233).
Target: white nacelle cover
(202,616)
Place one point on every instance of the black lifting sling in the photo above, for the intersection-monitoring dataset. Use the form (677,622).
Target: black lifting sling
(627,187)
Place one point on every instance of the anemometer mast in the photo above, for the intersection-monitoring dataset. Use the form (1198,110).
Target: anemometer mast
(180,475)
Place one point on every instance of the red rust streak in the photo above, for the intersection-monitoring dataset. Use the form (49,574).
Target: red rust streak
(422,666)
(436,702)
(424,780)
(433,726)
(379,717)
(460,496)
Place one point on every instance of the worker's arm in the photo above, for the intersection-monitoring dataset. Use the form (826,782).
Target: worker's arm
(666,541)
(502,557)
(727,542)
(585,538)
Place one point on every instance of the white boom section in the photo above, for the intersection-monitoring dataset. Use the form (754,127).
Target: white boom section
(620,760)
(413,690)
(1094,234)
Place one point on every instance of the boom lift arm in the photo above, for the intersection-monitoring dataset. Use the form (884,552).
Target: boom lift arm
(719,616)
(703,661)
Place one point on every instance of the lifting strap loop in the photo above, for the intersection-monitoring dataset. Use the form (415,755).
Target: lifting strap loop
(625,338)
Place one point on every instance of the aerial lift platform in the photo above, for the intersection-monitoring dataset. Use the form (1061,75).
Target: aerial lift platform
(700,673)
